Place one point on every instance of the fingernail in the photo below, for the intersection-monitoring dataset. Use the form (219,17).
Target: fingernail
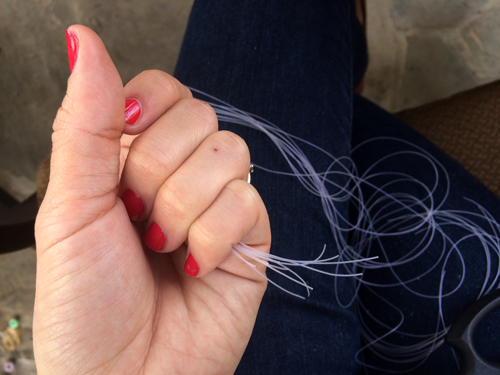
(72,42)
(132,111)
(155,237)
(133,203)
(191,267)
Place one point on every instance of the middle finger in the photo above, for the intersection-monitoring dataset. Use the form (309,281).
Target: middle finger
(222,157)
(160,150)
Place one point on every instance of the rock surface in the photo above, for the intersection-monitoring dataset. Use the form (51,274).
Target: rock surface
(139,35)
(425,50)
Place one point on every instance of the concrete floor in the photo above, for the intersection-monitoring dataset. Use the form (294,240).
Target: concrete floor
(420,51)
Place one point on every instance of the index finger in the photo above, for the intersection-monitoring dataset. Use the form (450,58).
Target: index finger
(148,96)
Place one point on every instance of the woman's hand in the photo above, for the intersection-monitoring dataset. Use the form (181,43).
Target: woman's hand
(105,303)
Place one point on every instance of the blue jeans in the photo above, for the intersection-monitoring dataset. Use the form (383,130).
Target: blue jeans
(296,63)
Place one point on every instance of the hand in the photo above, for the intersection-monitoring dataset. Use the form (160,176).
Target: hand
(105,303)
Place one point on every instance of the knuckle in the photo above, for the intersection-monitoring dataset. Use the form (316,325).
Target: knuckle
(203,235)
(142,159)
(243,194)
(202,112)
(65,113)
(232,145)
(173,204)
(163,82)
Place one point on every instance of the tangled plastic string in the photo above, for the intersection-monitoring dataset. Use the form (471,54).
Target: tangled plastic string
(389,211)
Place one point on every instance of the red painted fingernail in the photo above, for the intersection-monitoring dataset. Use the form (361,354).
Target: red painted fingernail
(191,267)
(133,203)
(72,42)
(132,111)
(155,237)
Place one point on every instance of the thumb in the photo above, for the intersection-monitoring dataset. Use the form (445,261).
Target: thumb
(86,138)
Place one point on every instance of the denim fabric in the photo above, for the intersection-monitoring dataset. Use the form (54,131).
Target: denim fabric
(294,63)
(370,122)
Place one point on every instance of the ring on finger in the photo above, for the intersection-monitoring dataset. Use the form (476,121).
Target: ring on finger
(249,179)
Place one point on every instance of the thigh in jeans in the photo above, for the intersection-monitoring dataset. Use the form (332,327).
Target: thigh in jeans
(439,283)
(290,62)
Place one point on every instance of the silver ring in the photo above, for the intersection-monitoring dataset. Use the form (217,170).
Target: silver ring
(250,173)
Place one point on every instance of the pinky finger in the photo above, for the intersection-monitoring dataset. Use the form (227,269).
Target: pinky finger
(237,215)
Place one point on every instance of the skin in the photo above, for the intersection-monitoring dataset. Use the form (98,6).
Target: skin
(106,304)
